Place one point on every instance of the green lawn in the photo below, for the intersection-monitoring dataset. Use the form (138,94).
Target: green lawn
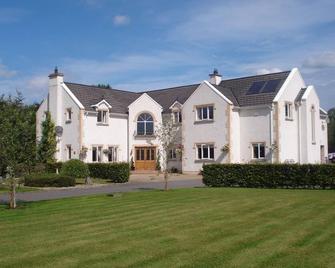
(188,227)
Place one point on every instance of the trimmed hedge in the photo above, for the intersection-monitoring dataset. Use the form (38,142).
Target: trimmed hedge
(115,172)
(75,168)
(49,180)
(309,176)
(52,167)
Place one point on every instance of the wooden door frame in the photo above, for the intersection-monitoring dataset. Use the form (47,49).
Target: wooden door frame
(150,163)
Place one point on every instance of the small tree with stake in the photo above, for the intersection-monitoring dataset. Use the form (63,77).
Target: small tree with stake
(167,134)
(12,182)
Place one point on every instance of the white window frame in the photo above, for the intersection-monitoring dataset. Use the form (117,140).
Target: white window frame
(99,153)
(68,151)
(177,117)
(68,115)
(259,144)
(202,146)
(289,110)
(172,154)
(202,108)
(114,152)
(104,117)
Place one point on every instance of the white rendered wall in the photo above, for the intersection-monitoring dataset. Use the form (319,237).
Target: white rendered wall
(254,128)
(212,132)
(113,134)
(288,144)
(144,104)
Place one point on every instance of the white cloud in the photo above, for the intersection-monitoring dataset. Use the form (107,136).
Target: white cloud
(240,20)
(320,61)
(268,70)
(120,20)
(5,72)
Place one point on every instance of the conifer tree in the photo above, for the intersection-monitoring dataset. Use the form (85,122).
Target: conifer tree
(47,146)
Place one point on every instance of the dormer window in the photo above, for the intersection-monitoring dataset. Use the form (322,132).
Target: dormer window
(177,118)
(288,111)
(68,115)
(102,117)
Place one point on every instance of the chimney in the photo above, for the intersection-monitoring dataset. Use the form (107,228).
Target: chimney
(215,78)
(55,102)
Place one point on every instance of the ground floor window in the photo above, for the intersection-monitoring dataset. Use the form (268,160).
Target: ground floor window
(96,153)
(205,151)
(69,152)
(258,150)
(172,154)
(112,154)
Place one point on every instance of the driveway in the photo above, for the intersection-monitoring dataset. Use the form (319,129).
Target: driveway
(133,185)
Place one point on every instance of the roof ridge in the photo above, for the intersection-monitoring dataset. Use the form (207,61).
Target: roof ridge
(168,88)
(251,76)
(96,87)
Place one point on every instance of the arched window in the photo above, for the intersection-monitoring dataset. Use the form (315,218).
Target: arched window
(145,124)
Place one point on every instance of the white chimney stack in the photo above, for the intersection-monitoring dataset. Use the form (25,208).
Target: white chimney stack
(215,78)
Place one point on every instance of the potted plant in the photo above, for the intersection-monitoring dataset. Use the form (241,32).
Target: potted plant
(225,148)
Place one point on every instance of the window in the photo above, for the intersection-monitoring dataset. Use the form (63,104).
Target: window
(172,154)
(177,117)
(96,153)
(205,113)
(68,115)
(258,150)
(102,117)
(145,125)
(205,151)
(112,154)
(69,152)
(288,110)
(313,123)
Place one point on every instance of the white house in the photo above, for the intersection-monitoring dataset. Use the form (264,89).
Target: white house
(273,118)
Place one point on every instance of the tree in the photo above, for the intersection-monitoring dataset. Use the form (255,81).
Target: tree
(331,130)
(47,146)
(167,135)
(17,133)
(12,182)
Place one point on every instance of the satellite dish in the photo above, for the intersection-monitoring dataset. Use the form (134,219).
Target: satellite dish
(59,131)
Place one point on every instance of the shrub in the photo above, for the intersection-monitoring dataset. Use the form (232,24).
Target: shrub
(49,180)
(270,175)
(53,167)
(75,168)
(115,172)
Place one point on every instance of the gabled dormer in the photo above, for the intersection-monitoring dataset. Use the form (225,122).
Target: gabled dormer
(103,109)
(176,112)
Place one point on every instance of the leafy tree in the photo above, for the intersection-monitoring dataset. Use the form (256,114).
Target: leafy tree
(106,86)
(331,130)
(46,148)
(17,133)
(167,135)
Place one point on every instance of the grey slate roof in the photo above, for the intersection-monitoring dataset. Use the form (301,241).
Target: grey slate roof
(300,94)
(234,89)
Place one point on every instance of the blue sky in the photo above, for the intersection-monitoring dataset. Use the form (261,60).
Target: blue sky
(147,44)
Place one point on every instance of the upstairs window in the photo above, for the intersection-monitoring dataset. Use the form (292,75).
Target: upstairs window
(205,113)
(68,115)
(258,150)
(102,117)
(145,125)
(205,151)
(289,110)
(177,119)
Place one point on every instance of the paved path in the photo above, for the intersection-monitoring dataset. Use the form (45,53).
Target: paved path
(103,189)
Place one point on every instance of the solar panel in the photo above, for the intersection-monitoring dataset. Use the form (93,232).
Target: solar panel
(255,88)
(271,86)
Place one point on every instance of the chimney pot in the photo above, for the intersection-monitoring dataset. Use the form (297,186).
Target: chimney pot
(215,78)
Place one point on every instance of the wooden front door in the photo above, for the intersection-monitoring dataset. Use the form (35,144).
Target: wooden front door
(145,158)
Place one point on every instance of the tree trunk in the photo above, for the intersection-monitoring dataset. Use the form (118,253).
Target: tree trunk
(166,176)
(12,194)
(88,180)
